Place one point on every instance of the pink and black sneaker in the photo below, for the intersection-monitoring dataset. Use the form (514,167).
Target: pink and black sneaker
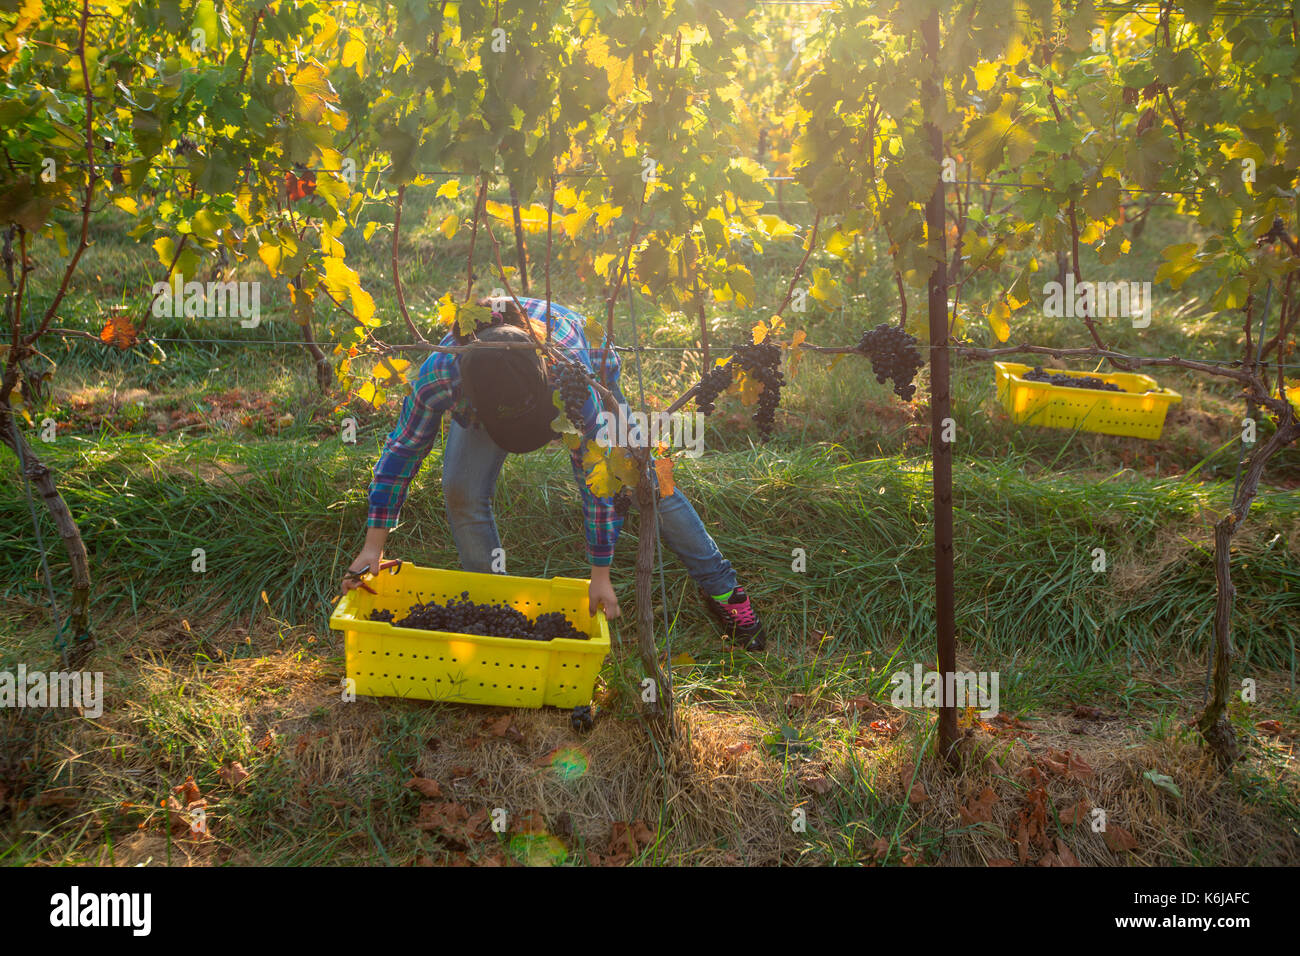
(738,619)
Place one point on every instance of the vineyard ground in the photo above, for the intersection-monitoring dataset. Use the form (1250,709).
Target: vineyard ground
(235,454)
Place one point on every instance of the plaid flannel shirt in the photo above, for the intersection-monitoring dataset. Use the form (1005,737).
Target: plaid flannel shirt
(436,389)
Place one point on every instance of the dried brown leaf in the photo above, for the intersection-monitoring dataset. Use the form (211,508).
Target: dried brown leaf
(425,786)
(1065,855)
(1118,839)
(233,775)
(979,810)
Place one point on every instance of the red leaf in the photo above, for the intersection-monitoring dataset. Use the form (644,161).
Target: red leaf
(188,791)
(118,331)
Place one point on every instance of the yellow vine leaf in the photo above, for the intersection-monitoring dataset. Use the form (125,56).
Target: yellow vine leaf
(776,227)
(499,210)
(338,277)
(363,306)
(334,190)
(354,55)
(601,480)
(566,197)
(621,77)
(986,74)
(998,320)
(824,288)
(165,246)
(14,40)
(624,467)
(391,370)
(574,222)
(619,71)
(796,353)
(329,32)
(446,310)
(268,252)
(747,387)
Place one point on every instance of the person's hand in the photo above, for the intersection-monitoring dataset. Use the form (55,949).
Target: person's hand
(601,595)
(368,556)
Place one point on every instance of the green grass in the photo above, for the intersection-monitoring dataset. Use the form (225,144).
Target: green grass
(284,515)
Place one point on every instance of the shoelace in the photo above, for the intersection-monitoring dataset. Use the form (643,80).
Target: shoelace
(743,614)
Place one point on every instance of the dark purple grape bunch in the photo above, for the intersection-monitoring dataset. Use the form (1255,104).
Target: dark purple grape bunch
(894,357)
(553,624)
(572,381)
(1037,374)
(460,615)
(715,381)
(762,362)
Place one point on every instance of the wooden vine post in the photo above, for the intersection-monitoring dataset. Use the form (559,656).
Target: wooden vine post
(940,405)
(647,534)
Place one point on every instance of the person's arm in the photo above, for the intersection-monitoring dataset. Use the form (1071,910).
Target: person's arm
(405,449)
(372,553)
(602,525)
(601,590)
(601,522)
(600,594)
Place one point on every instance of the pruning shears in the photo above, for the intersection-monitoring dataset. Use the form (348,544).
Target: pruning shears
(395,566)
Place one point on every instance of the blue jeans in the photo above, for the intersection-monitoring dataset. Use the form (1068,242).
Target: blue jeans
(472,462)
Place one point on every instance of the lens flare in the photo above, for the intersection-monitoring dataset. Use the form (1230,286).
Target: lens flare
(569,763)
(538,849)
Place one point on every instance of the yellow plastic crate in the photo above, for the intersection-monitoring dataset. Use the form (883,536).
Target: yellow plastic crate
(1139,411)
(389,661)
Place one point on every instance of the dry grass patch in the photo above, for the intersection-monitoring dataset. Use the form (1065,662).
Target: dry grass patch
(402,782)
